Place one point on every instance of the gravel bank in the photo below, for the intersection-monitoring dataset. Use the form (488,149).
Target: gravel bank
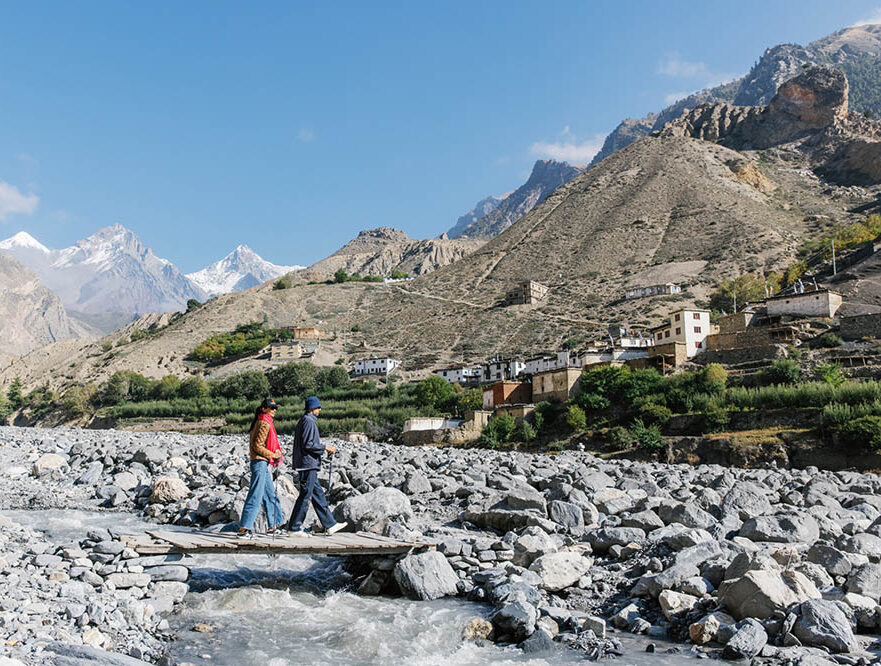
(771,564)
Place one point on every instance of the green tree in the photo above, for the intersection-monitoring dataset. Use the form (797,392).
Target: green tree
(295,378)
(527,432)
(341,276)
(713,378)
(399,275)
(864,432)
(750,287)
(331,377)
(140,387)
(831,373)
(782,371)
(14,394)
(434,391)
(469,400)
(167,388)
(647,438)
(193,304)
(575,418)
(284,282)
(194,387)
(250,384)
(76,401)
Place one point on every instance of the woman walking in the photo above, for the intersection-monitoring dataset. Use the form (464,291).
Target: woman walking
(263,450)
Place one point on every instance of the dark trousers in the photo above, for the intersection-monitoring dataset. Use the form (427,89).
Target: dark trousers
(310,489)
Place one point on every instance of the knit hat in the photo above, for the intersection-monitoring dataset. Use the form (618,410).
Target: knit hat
(312,403)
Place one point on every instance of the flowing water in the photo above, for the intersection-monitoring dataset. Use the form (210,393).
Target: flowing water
(279,610)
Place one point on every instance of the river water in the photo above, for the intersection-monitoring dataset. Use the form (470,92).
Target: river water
(280,610)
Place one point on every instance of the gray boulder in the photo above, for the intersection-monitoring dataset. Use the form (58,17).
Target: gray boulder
(866,581)
(825,624)
(516,620)
(747,641)
(763,593)
(372,511)
(831,559)
(745,500)
(603,539)
(426,576)
(566,514)
(782,528)
(561,570)
(64,654)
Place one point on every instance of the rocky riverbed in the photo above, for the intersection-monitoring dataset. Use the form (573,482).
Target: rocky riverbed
(769,564)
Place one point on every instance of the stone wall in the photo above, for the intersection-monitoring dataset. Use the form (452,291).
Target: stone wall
(861,326)
(744,355)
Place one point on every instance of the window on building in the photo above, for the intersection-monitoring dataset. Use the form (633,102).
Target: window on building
(697,329)
(666,334)
(697,315)
(678,331)
(699,345)
(677,317)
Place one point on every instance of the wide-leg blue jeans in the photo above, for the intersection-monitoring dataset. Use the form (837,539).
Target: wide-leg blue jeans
(261,491)
(310,489)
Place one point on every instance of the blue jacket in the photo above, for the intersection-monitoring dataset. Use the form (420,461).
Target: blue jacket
(307,444)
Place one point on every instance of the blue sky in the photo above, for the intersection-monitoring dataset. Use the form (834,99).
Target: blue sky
(292,126)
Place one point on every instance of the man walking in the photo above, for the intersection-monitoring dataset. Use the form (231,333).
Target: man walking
(306,460)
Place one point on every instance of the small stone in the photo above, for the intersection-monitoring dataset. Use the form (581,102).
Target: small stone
(203,628)
(477,628)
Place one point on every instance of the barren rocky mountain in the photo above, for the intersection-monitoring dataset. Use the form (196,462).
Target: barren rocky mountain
(546,176)
(30,315)
(855,50)
(384,250)
(666,208)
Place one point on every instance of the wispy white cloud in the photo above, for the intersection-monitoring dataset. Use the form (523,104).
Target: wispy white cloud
(669,98)
(674,65)
(567,147)
(13,201)
(305,135)
(873,19)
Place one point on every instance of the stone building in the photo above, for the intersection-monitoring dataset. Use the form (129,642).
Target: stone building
(289,350)
(556,385)
(817,303)
(506,393)
(526,293)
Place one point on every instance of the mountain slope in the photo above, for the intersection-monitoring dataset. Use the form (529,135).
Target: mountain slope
(384,250)
(111,271)
(239,270)
(483,208)
(856,50)
(30,315)
(546,176)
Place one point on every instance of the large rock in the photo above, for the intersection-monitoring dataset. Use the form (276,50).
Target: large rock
(674,603)
(373,511)
(831,559)
(866,581)
(825,624)
(151,455)
(48,463)
(168,489)
(782,528)
(560,570)
(515,620)
(566,514)
(426,576)
(747,641)
(532,544)
(760,594)
(746,500)
(125,480)
(603,539)
(705,630)
(64,654)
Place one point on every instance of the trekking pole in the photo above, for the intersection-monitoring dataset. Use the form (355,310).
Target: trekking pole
(330,476)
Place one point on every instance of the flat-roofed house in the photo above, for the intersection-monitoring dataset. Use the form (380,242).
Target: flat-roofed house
(689,326)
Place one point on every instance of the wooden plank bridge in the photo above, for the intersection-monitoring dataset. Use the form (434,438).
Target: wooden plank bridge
(162,542)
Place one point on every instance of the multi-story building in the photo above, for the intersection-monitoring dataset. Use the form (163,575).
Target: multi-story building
(544,362)
(500,369)
(287,350)
(690,326)
(375,366)
(556,385)
(652,290)
(462,374)
(526,293)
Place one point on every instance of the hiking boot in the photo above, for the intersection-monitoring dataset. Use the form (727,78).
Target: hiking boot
(278,530)
(336,528)
(244,534)
(299,533)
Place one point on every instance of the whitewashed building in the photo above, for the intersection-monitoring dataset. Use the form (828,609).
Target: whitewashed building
(375,366)
(501,369)
(686,326)
(627,338)
(545,362)
(652,290)
(462,374)
(817,303)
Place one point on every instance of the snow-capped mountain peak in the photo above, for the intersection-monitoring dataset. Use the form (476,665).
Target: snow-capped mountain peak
(23,240)
(239,270)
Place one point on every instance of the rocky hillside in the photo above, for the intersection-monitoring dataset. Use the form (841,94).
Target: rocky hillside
(855,50)
(666,208)
(384,250)
(493,215)
(30,315)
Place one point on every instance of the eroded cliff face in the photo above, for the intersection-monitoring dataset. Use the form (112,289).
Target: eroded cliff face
(809,112)
(30,315)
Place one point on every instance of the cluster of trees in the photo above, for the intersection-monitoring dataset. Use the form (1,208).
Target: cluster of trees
(245,339)
(438,394)
(343,276)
